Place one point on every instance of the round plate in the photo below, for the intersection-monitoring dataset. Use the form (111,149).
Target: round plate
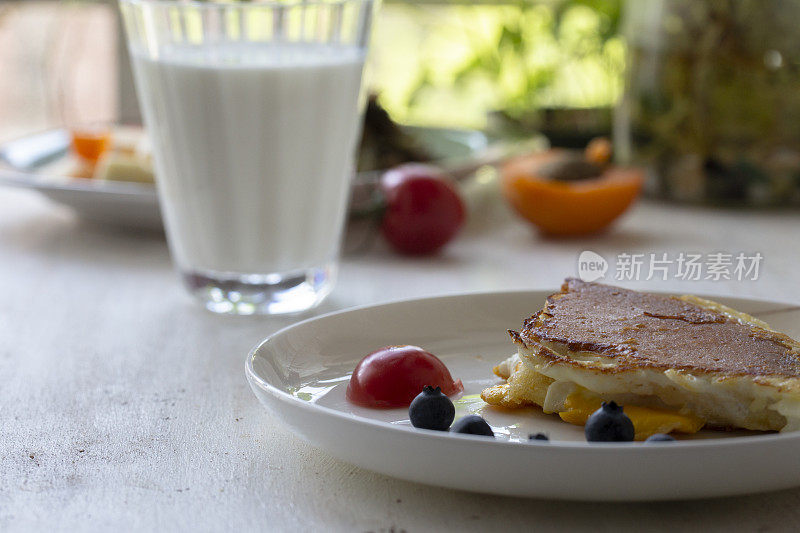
(301,373)
(135,205)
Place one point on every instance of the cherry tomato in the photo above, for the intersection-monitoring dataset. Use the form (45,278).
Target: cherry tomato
(423,210)
(393,376)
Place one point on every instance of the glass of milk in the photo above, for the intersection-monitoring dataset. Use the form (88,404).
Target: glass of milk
(253,113)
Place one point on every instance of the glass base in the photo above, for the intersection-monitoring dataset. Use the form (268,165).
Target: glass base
(261,294)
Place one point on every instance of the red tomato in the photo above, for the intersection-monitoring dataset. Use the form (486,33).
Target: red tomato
(423,210)
(395,375)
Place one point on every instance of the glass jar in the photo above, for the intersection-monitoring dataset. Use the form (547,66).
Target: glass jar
(712,99)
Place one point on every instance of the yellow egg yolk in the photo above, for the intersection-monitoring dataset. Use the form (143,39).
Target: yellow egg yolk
(646,420)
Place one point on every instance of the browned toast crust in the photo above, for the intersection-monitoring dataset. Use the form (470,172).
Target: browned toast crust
(641,330)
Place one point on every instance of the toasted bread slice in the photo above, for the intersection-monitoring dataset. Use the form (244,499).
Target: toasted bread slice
(678,363)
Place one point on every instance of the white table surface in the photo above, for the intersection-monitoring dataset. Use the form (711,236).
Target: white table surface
(124,405)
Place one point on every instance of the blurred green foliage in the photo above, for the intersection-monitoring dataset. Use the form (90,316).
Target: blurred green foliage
(454,63)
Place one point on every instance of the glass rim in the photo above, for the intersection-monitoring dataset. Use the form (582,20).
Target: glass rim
(198,4)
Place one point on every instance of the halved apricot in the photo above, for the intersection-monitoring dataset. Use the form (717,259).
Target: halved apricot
(568,207)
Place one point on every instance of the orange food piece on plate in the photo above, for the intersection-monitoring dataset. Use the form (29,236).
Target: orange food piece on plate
(647,421)
(568,207)
(91,143)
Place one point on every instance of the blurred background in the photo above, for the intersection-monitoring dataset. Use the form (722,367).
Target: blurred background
(444,63)
(668,80)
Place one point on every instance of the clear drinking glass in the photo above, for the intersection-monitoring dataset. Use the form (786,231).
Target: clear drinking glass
(253,112)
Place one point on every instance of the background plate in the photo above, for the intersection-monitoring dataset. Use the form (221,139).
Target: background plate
(301,372)
(136,205)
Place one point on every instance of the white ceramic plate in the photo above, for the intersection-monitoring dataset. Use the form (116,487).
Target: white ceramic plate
(42,162)
(130,205)
(301,372)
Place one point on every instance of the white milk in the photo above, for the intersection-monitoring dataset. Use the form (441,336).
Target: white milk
(253,150)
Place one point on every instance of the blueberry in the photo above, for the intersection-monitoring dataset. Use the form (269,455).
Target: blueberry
(431,409)
(660,437)
(472,425)
(537,436)
(609,424)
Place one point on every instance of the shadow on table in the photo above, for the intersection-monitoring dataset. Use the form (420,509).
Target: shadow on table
(61,235)
(380,503)
(481,512)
